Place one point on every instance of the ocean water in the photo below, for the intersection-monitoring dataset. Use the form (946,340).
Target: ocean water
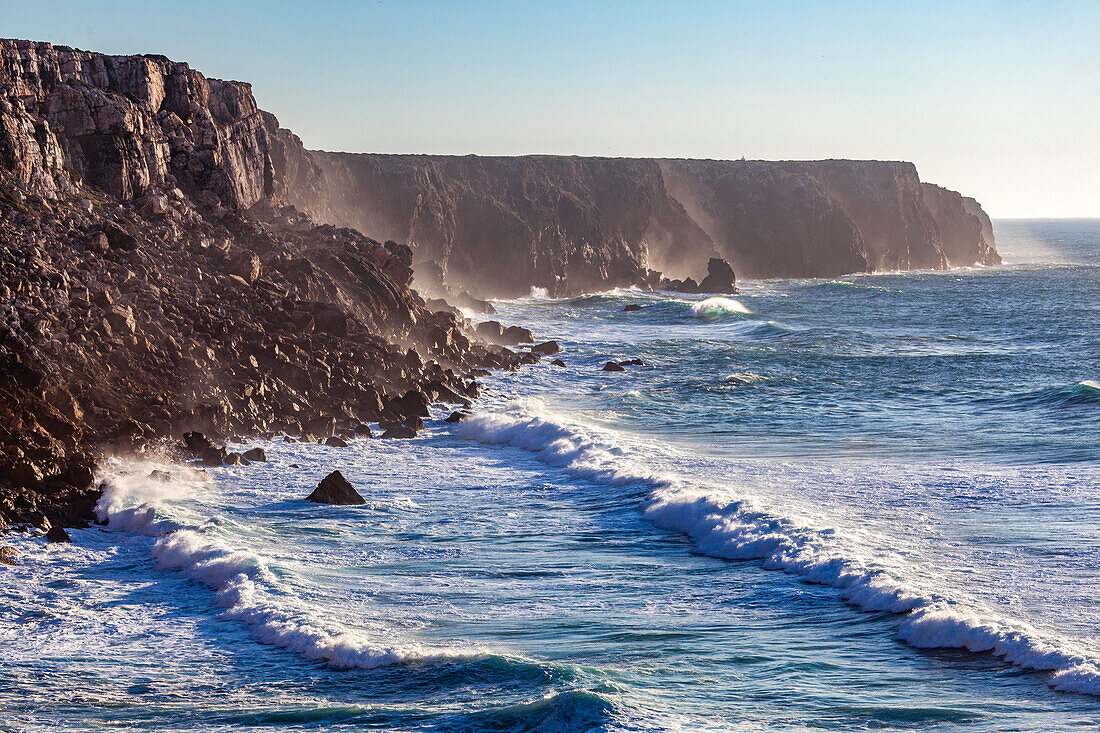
(869,503)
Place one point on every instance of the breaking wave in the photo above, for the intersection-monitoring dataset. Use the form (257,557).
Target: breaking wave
(146,498)
(724,525)
(715,307)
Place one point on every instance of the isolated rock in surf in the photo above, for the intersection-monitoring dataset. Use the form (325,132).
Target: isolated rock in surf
(335,489)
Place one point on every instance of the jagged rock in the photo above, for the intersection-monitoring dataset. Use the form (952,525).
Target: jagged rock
(720,278)
(196,443)
(558,363)
(246,266)
(336,442)
(612,367)
(335,489)
(457,416)
(632,362)
(491,331)
(57,534)
(631,307)
(8,555)
(254,454)
(363,430)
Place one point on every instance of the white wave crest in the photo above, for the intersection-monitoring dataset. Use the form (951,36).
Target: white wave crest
(727,526)
(716,306)
(244,586)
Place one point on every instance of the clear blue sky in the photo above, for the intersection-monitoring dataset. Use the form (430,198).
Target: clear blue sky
(1000,100)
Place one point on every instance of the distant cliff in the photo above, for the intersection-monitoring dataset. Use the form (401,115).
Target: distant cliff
(497,225)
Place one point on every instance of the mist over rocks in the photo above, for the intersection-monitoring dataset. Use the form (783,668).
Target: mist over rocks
(497,226)
(155,283)
(175,261)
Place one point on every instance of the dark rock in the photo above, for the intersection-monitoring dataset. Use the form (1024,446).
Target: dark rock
(363,430)
(457,416)
(612,367)
(57,534)
(558,363)
(631,307)
(491,331)
(336,442)
(516,335)
(546,348)
(399,431)
(197,443)
(255,454)
(719,279)
(632,362)
(8,555)
(335,489)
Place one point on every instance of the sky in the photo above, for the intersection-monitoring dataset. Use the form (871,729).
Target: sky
(999,100)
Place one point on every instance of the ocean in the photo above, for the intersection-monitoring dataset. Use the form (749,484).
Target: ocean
(868,503)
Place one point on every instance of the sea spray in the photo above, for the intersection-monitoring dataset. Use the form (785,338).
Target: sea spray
(724,525)
(151,499)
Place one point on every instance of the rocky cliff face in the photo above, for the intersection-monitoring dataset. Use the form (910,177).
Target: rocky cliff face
(497,226)
(153,282)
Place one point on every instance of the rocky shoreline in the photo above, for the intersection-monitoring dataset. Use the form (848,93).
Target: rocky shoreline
(153,284)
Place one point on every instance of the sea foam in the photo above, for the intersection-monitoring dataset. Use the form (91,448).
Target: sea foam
(724,525)
(716,306)
(138,501)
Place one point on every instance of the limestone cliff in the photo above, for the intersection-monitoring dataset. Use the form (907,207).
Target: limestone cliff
(497,226)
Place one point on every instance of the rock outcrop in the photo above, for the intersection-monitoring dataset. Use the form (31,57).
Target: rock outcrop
(335,489)
(498,226)
(153,281)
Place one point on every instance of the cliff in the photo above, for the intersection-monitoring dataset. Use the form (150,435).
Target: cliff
(497,226)
(153,282)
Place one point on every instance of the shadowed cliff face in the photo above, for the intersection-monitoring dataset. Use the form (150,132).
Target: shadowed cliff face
(152,282)
(497,226)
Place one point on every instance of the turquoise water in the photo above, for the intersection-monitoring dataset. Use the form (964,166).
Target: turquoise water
(865,503)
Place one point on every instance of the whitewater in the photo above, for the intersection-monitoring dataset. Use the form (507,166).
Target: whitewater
(863,503)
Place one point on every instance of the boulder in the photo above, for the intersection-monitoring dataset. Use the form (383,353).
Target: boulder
(491,331)
(336,442)
(546,348)
(612,367)
(254,454)
(335,489)
(457,416)
(246,266)
(57,534)
(7,555)
(558,363)
(363,430)
(399,431)
(631,307)
(632,362)
(516,335)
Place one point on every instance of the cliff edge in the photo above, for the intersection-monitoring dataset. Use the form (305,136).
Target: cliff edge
(498,225)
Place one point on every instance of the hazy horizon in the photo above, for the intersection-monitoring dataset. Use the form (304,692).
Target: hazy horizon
(998,100)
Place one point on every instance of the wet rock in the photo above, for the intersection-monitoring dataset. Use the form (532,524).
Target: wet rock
(255,454)
(159,475)
(336,442)
(720,278)
(631,308)
(516,335)
(612,367)
(547,348)
(57,534)
(558,363)
(196,443)
(491,331)
(457,416)
(8,555)
(335,489)
(363,430)
(632,362)
(399,431)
